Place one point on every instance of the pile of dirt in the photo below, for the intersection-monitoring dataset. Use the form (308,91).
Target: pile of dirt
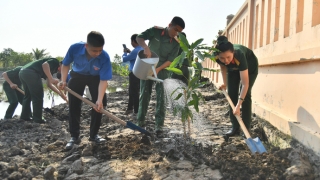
(30,150)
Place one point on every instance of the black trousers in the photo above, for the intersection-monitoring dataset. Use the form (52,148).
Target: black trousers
(134,88)
(77,83)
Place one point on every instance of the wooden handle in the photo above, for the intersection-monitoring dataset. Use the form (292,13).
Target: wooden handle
(20,90)
(61,93)
(93,105)
(243,127)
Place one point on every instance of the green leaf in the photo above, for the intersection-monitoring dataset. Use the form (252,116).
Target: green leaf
(175,91)
(196,43)
(183,40)
(175,61)
(178,97)
(196,101)
(174,70)
(199,55)
(212,70)
(191,103)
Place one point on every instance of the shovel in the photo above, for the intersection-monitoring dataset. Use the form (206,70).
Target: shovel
(255,145)
(127,124)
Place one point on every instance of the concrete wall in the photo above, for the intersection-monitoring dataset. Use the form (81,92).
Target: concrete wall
(285,36)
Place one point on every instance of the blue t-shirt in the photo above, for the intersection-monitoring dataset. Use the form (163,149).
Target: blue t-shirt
(131,57)
(100,65)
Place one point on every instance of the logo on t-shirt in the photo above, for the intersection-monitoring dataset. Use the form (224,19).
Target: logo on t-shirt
(95,68)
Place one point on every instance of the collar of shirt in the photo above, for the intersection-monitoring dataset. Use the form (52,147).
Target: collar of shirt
(165,32)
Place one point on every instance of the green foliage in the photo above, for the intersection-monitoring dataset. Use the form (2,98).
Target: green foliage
(118,68)
(191,95)
(9,58)
(39,53)
(60,58)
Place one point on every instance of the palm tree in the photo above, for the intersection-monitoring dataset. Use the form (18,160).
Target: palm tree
(38,54)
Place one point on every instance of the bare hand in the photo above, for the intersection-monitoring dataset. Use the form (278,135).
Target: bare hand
(147,52)
(236,110)
(223,86)
(62,85)
(98,107)
(13,86)
(54,81)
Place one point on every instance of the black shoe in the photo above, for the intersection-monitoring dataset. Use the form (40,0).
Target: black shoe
(72,141)
(233,132)
(97,139)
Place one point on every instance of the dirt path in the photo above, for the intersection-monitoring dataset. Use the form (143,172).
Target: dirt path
(29,150)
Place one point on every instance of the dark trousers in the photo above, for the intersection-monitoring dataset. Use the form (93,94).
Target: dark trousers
(233,91)
(33,89)
(14,97)
(134,88)
(77,83)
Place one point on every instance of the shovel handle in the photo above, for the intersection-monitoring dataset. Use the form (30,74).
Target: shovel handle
(243,127)
(61,93)
(93,105)
(20,90)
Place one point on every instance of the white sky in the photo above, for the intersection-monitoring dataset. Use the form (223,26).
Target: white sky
(56,24)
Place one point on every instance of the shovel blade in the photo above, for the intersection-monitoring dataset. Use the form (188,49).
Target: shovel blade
(135,127)
(251,145)
(261,149)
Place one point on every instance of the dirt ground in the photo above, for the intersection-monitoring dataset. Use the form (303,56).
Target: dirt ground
(36,151)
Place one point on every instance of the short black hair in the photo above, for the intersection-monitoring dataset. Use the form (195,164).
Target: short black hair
(95,39)
(178,21)
(133,38)
(224,45)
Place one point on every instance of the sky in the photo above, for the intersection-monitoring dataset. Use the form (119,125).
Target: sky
(54,25)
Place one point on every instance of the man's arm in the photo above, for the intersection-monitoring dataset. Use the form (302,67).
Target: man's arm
(64,76)
(102,89)
(46,70)
(12,85)
(163,66)
(128,57)
(145,47)
(54,88)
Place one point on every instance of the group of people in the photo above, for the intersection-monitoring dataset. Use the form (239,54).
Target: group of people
(91,67)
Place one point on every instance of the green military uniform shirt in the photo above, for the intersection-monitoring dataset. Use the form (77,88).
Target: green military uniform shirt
(37,66)
(161,43)
(13,75)
(243,59)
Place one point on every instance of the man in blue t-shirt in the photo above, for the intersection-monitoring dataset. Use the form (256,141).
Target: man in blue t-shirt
(91,67)
(134,82)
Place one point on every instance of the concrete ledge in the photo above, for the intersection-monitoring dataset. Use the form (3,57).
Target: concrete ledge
(307,137)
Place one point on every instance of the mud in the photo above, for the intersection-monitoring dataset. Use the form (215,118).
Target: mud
(36,151)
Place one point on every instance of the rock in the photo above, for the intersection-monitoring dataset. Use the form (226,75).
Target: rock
(77,167)
(300,165)
(185,165)
(15,176)
(87,151)
(48,172)
(130,177)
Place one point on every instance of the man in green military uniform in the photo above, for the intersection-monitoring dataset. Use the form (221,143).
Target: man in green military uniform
(163,43)
(30,76)
(184,68)
(10,88)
